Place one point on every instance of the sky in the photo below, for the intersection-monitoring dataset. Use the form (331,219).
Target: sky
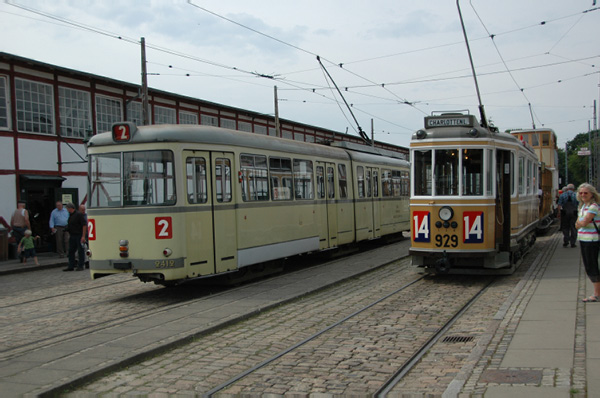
(537,61)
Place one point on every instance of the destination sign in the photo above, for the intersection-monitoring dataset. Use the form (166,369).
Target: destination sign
(448,122)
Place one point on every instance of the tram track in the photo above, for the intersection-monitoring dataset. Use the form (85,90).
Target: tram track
(394,378)
(45,321)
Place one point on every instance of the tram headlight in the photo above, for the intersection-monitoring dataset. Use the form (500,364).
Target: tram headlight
(474,133)
(421,134)
(446,213)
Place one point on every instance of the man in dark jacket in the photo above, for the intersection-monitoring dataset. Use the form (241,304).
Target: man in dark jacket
(567,212)
(77,227)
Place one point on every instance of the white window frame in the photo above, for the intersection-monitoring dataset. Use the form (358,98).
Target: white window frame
(105,117)
(75,109)
(5,111)
(135,113)
(28,120)
(186,117)
(228,123)
(164,115)
(208,120)
(245,126)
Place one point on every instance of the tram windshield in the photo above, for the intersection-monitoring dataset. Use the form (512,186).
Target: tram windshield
(449,172)
(144,178)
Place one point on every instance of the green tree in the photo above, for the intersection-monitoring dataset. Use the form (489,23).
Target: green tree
(578,166)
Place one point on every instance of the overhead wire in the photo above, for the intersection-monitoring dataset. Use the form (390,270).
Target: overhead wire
(295,84)
(504,62)
(340,65)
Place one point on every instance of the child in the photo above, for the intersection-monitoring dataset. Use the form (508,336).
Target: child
(28,247)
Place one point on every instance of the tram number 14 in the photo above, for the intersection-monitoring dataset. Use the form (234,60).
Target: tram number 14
(473,226)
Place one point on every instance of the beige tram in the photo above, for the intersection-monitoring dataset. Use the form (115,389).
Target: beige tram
(474,198)
(172,202)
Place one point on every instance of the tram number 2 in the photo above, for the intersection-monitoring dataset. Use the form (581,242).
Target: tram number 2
(446,240)
(163,228)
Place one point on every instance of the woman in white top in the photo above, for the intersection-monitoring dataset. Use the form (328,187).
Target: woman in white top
(588,232)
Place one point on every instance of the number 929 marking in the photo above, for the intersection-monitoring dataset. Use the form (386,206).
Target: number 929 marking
(446,240)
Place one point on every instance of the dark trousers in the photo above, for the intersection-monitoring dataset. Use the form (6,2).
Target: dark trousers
(18,233)
(589,253)
(75,246)
(569,231)
(62,240)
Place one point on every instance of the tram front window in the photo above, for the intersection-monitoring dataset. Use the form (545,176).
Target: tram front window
(144,178)
(446,172)
(422,172)
(472,166)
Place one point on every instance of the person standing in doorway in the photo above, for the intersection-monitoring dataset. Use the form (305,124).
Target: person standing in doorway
(19,222)
(58,224)
(567,212)
(87,243)
(588,226)
(77,228)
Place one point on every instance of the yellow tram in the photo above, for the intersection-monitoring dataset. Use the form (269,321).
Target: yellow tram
(544,144)
(174,202)
(474,204)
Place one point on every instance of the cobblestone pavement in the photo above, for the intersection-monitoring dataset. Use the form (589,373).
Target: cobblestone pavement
(356,358)
(478,341)
(42,307)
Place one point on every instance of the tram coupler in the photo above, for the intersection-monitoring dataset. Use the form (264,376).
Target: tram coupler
(442,265)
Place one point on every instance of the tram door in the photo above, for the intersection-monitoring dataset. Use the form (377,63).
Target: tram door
(326,205)
(223,212)
(376,203)
(504,171)
(210,225)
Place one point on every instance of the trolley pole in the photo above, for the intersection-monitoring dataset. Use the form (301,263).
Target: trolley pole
(566,165)
(372,133)
(591,177)
(277,127)
(144,85)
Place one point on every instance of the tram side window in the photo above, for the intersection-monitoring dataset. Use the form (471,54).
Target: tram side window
(472,165)
(521,176)
(360,181)
(303,179)
(330,183)
(405,183)
(375,184)
(320,183)
(489,173)
(535,140)
(529,176)
(223,180)
(397,183)
(105,180)
(342,181)
(512,173)
(446,172)
(422,172)
(195,170)
(387,189)
(368,182)
(545,139)
(255,184)
(280,170)
(148,178)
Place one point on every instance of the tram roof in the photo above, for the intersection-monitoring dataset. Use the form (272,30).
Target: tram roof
(233,138)
(463,135)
